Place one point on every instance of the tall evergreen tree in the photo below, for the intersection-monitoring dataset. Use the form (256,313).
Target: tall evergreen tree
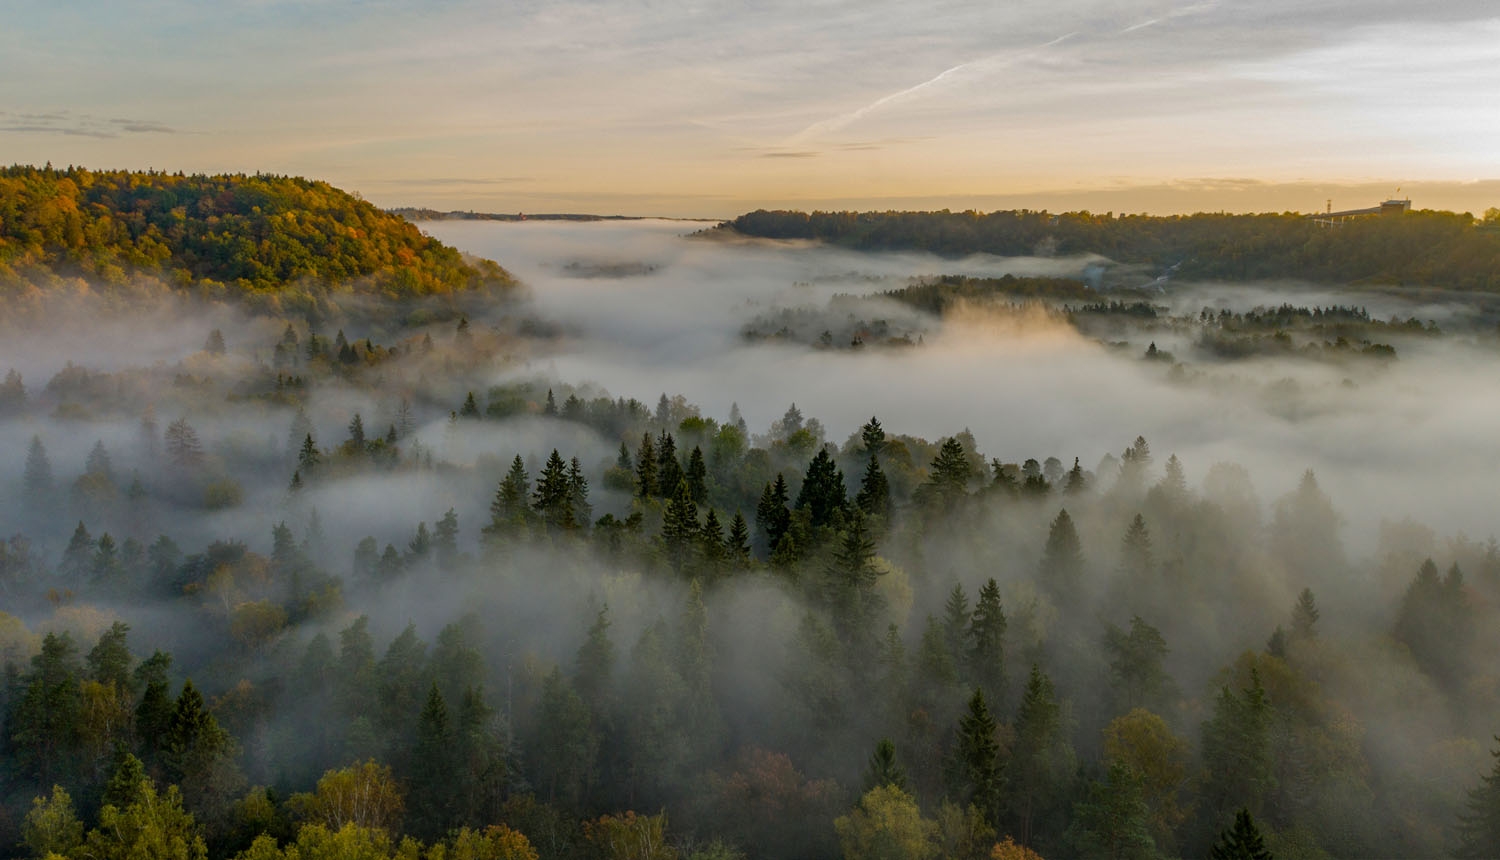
(1479,824)
(578,495)
(986,653)
(737,542)
(1062,560)
(1042,763)
(872,436)
(510,507)
(1237,751)
(823,493)
(680,529)
(668,469)
(37,479)
(308,457)
(883,769)
(978,778)
(771,516)
(849,583)
(956,615)
(595,662)
(1242,841)
(874,497)
(697,476)
(1305,616)
(553,497)
(646,484)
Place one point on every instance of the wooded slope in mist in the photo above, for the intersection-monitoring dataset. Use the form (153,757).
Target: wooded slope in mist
(231,234)
(1422,248)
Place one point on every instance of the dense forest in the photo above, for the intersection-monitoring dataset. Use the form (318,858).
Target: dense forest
(277,243)
(281,580)
(1422,248)
(711,643)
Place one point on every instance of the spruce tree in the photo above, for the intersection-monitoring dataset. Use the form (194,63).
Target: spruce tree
(956,615)
(883,769)
(1242,841)
(823,493)
(771,516)
(737,542)
(986,635)
(978,778)
(680,529)
(1305,616)
(872,436)
(1062,560)
(646,485)
(697,476)
(553,497)
(510,507)
(1479,824)
(595,662)
(578,495)
(668,469)
(308,457)
(874,497)
(37,479)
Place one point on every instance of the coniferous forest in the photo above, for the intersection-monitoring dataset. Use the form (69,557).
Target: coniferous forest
(640,564)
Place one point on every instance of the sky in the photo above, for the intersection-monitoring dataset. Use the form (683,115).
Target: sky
(711,108)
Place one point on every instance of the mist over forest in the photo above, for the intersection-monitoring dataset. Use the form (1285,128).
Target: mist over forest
(700,544)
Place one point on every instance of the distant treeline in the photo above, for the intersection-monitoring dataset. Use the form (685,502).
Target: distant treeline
(1424,248)
(232,235)
(417,213)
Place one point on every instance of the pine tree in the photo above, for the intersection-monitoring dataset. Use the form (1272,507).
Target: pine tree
(578,495)
(78,558)
(98,462)
(872,436)
(669,471)
(595,662)
(1242,841)
(432,765)
(1305,616)
(470,409)
(956,615)
(949,473)
(1136,562)
(1237,750)
(978,778)
(182,445)
(737,543)
(874,497)
(883,769)
(849,582)
(771,515)
(823,494)
(445,540)
(711,543)
(550,408)
(697,476)
(1076,482)
(1062,560)
(37,479)
(1479,824)
(986,654)
(1113,820)
(553,497)
(308,457)
(510,507)
(1137,679)
(680,529)
(12,394)
(646,486)
(1042,762)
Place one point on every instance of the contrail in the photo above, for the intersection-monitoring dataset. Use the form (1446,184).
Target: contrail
(842,120)
(1175,13)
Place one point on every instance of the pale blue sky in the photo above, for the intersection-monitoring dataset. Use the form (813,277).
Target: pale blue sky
(709,108)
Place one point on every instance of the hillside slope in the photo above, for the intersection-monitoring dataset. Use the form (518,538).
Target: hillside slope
(254,237)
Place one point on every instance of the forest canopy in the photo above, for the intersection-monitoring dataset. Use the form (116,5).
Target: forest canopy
(239,236)
(1418,248)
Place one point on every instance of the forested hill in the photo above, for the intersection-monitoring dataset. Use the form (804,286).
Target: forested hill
(1422,248)
(236,236)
